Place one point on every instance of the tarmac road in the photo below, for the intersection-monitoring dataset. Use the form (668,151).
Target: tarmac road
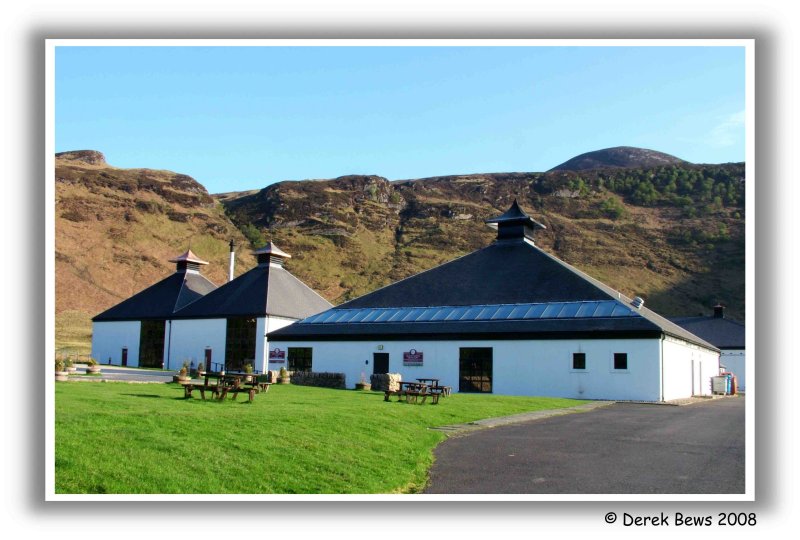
(118,373)
(624,448)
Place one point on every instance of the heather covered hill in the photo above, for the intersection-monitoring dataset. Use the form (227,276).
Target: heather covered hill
(116,229)
(620,157)
(672,234)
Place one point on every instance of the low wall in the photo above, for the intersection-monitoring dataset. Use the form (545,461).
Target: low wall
(323,380)
(385,382)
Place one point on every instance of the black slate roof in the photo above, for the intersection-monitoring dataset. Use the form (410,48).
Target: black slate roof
(722,332)
(506,272)
(267,289)
(161,300)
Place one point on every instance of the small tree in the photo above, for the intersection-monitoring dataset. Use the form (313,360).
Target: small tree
(612,208)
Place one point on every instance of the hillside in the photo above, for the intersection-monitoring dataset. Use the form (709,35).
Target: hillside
(672,234)
(116,229)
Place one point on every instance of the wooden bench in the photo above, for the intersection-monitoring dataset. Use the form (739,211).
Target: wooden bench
(434,392)
(238,384)
(389,393)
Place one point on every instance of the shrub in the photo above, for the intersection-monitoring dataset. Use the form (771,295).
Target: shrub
(612,208)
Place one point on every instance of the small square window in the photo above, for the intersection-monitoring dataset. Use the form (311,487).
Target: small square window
(620,360)
(578,360)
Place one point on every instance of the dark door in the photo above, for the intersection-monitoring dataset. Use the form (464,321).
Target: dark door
(124,356)
(380,363)
(475,369)
(151,344)
(207,359)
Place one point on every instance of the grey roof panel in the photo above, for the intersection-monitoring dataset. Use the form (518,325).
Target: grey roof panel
(161,300)
(263,290)
(722,332)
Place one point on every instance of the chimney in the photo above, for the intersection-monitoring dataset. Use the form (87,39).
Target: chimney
(515,224)
(719,311)
(230,265)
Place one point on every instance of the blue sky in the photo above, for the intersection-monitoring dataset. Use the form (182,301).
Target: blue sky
(238,118)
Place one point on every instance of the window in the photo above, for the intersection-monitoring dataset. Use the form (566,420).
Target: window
(620,360)
(299,359)
(240,343)
(578,360)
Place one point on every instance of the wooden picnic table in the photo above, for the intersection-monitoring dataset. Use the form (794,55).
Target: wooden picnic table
(412,391)
(220,384)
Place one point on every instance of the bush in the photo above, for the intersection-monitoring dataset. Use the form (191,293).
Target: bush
(612,208)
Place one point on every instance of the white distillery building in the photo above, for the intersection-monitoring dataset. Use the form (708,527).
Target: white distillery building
(725,334)
(134,332)
(507,319)
(221,327)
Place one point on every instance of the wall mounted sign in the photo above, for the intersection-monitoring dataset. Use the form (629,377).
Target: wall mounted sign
(276,355)
(412,358)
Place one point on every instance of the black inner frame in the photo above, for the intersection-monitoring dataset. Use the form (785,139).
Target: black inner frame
(620,360)
(240,342)
(299,358)
(475,366)
(578,360)
(151,343)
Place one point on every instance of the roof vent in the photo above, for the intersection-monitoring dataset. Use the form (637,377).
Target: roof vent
(271,255)
(187,262)
(637,302)
(514,224)
(719,311)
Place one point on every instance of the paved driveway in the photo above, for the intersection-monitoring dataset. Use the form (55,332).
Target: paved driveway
(624,448)
(118,373)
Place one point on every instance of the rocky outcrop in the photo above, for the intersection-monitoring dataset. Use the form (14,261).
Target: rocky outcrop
(91,157)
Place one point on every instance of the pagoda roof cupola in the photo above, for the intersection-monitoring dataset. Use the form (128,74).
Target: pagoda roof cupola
(188,262)
(515,224)
(271,254)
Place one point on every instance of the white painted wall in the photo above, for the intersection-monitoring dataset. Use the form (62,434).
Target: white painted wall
(687,369)
(190,338)
(108,339)
(541,368)
(262,354)
(734,360)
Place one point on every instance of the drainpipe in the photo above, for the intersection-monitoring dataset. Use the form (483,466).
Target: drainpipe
(661,362)
(169,342)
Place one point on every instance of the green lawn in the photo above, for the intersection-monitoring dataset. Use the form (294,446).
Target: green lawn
(146,438)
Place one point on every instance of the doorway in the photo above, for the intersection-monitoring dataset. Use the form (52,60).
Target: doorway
(380,363)
(151,344)
(124,356)
(475,369)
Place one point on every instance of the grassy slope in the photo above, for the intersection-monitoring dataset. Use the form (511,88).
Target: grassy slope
(116,230)
(124,438)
